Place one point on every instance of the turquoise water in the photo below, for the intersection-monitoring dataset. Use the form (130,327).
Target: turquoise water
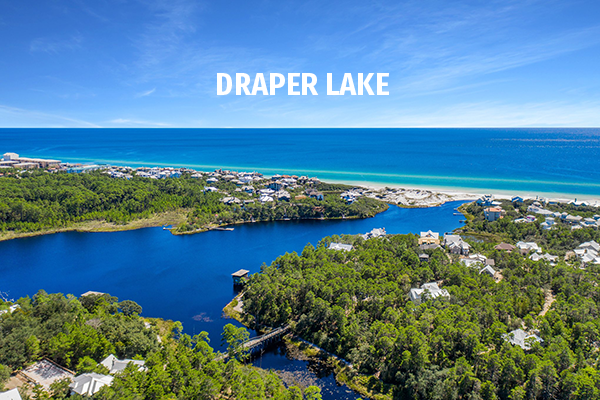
(188,278)
(532,161)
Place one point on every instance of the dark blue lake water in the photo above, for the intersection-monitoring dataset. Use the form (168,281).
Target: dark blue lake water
(187,278)
(531,161)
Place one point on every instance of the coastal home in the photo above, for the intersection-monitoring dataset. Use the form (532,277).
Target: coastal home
(426,246)
(429,237)
(114,365)
(315,194)
(477,259)
(505,247)
(456,245)
(550,258)
(12,394)
(488,270)
(429,290)
(517,200)
(89,384)
(573,219)
(283,195)
(265,199)
(375,233)
(231,200)
(588,253)
(522,339)
(276,185)
(548,224)
(493,213)
(266,192)
(210,189)
(486,200)
(423,257)
(340,246)
(528,247)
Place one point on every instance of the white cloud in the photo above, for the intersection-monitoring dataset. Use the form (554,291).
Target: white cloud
(146,93)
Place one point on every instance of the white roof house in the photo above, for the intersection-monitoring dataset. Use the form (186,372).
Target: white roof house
(488,270)
(529,246)
(114,365)
(429,237)
(548,257)
(265,199)
(375,233)
(430,234)
(89,384)
(521,338)
(428,290)
(340,246)
(12,394)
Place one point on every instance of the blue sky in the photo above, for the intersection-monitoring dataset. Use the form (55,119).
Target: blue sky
(153,63)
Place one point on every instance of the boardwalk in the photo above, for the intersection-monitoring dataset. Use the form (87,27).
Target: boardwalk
(259,342)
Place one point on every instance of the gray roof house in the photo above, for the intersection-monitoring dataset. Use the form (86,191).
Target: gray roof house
(456,245)
(114,365)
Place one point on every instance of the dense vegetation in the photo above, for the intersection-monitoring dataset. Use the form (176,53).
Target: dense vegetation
(79,333)
(355,304)
(39,200)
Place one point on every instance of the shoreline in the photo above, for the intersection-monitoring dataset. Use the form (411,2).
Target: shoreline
(456,191)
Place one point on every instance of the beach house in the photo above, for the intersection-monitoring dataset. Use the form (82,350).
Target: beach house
(522,339)
(456,245)
(340,246)
(429,290)
(89,384)
(114,365)
(493,213)
(528,247)
(429,237)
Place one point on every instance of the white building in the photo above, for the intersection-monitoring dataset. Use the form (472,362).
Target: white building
(528,247)
(114,365)
(521,338)
(429,290)
(340,246)
(89,384)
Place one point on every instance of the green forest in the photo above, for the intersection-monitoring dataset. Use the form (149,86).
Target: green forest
(78,333)
(38,200)
(355,304)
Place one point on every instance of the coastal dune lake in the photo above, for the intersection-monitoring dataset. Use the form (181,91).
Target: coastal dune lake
(188,278)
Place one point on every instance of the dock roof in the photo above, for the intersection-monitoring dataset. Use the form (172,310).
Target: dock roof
(241,272)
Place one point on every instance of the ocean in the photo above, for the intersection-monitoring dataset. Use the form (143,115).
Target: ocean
(558,162)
